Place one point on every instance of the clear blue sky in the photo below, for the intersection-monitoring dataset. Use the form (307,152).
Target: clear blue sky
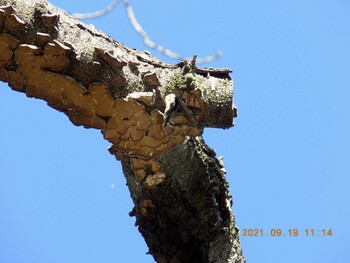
(63,198)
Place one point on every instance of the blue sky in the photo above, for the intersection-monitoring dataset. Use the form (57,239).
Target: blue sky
(63,197)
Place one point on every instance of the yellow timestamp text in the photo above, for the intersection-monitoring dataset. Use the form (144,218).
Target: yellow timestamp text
(293,232)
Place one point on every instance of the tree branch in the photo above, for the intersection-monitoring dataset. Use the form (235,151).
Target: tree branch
(181,198)
(188,217)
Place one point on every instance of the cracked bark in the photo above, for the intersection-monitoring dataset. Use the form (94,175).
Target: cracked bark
(178,186)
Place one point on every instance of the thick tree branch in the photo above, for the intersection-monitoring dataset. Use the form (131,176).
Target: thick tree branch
(188,217)
(153,113)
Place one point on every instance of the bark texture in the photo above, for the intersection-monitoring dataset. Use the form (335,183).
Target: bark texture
(153,114)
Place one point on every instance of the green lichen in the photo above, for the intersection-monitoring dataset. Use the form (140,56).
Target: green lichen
(181,82)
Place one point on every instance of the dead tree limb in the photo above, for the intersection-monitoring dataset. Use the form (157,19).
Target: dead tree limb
(151,112)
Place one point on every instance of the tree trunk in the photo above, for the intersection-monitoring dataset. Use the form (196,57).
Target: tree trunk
(153,113)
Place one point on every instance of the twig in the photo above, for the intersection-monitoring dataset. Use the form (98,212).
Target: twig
(157,47)
(141,32)
(98,13)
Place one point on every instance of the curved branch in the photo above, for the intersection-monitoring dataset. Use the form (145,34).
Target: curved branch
(181,198)
(137,27)
(157,47)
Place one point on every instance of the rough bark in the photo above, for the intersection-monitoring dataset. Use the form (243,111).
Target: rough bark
(153,113)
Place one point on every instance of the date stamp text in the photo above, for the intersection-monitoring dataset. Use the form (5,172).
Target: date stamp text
(278,232)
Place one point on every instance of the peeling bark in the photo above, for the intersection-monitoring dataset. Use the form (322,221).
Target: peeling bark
(153,113)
